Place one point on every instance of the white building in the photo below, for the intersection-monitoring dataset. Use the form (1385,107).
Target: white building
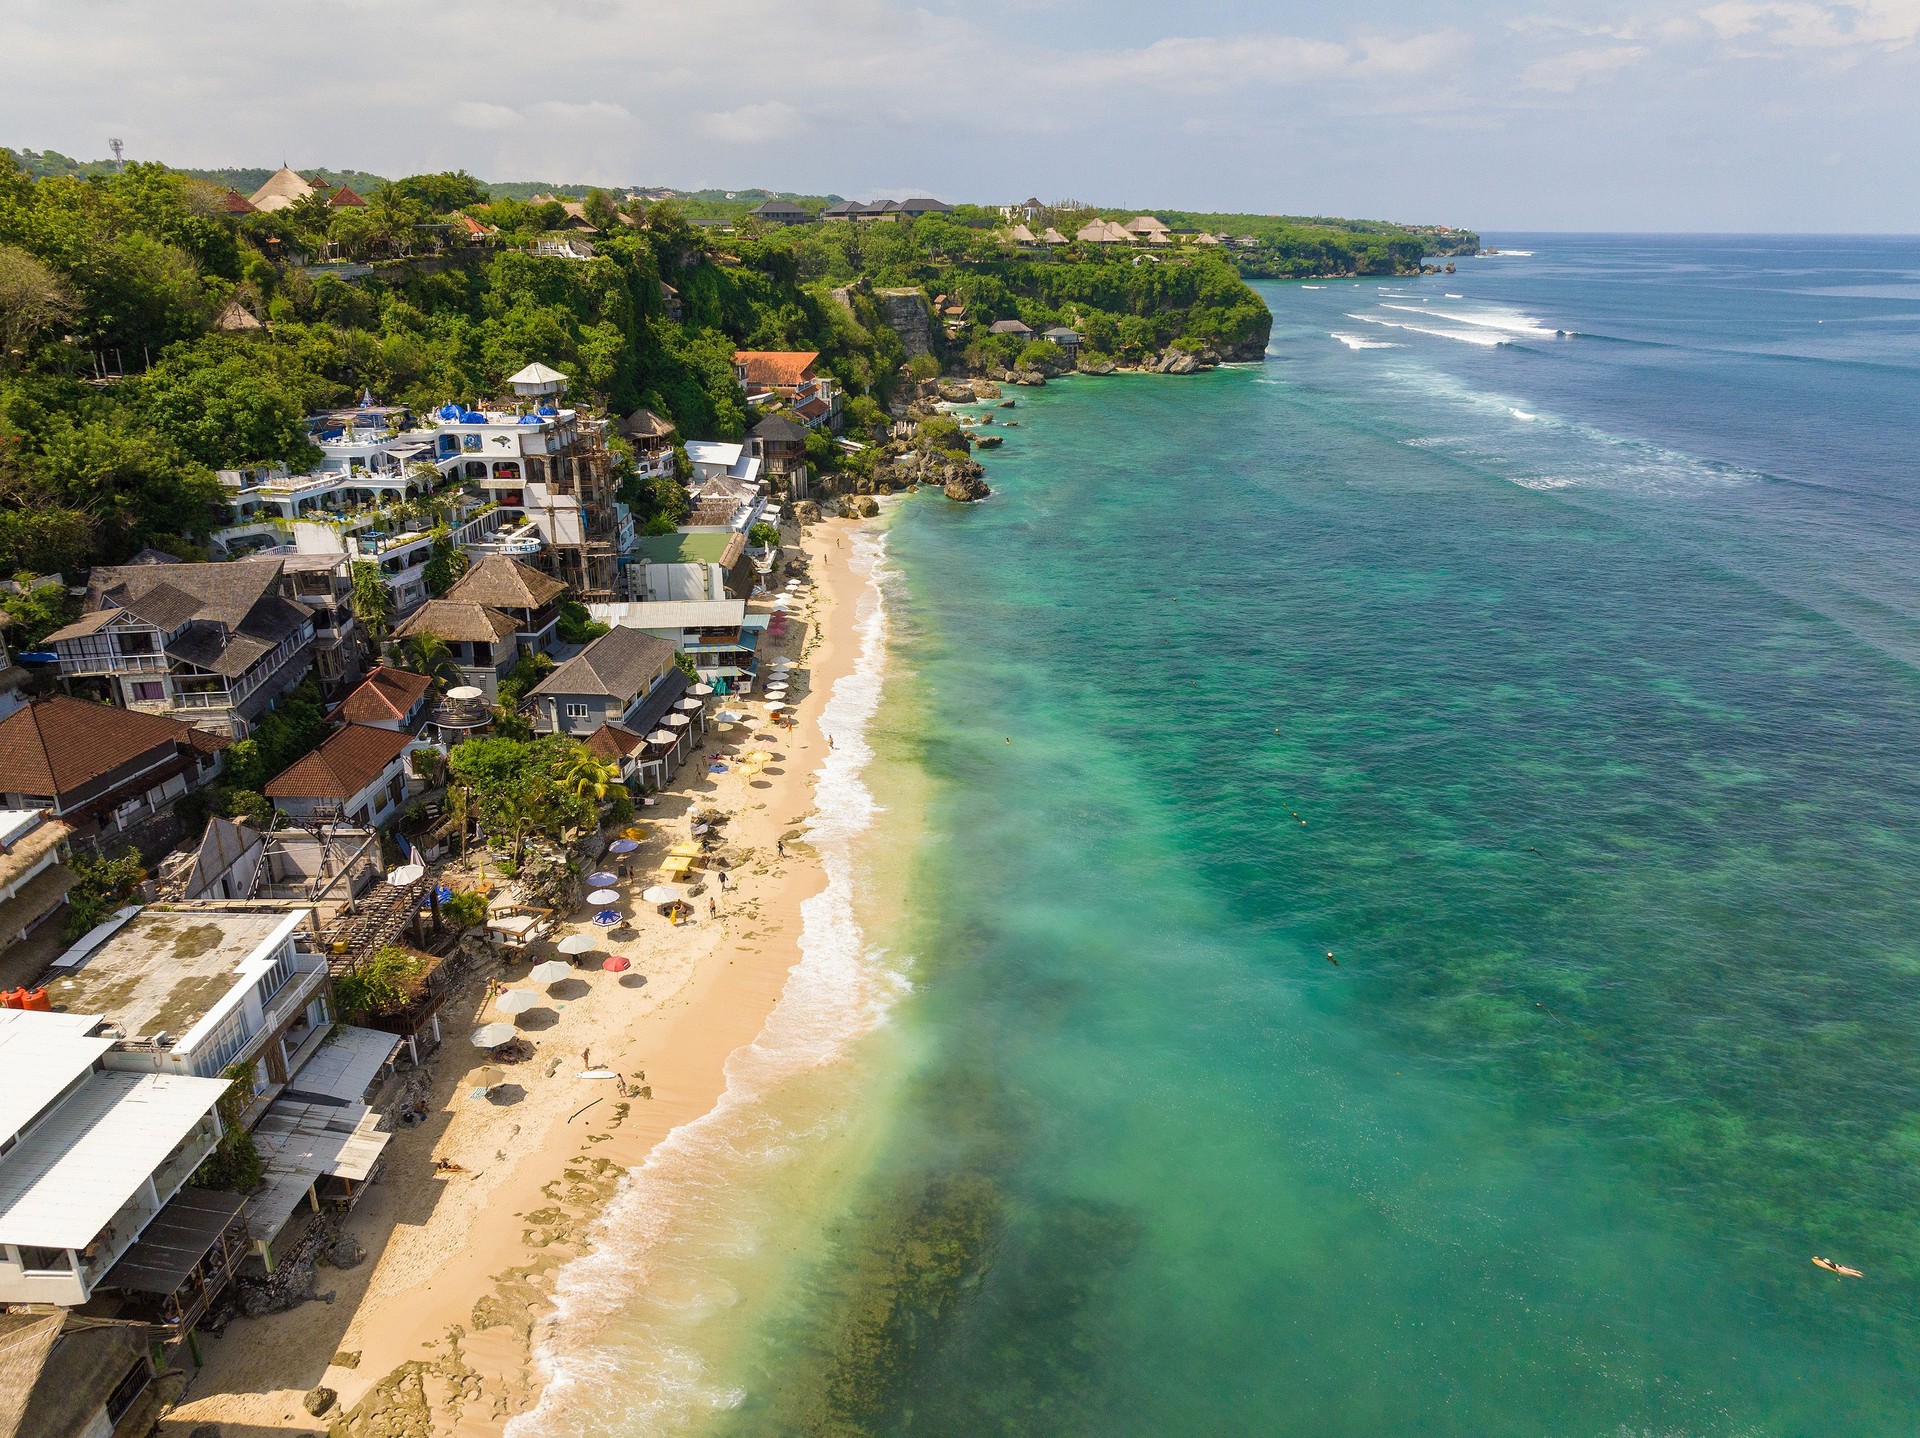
(89,1155)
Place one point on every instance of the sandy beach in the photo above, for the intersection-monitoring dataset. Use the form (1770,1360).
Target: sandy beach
(433,1332)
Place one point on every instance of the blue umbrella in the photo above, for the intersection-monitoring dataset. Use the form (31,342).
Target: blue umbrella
(443,893)
(607,918)
(601,878)
(623,846)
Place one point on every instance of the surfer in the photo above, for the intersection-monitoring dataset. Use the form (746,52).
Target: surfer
(1839,1268)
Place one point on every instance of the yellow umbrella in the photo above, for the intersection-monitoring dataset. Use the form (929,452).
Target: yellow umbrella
(675,865)
(758,756)
(687,849)
(636,832)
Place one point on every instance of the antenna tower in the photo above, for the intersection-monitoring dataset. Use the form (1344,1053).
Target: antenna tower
(117,146)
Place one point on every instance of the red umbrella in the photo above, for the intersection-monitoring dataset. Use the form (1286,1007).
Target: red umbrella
(616,963)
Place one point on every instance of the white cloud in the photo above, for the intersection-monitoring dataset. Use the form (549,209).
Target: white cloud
(479,115)
(1569,71)
(752,124)
(1867,24)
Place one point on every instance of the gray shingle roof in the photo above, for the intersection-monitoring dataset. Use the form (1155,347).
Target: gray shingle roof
(617,665)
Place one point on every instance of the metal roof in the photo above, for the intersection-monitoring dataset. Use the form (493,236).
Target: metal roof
(40,1054)
(655,615)
(64,1181)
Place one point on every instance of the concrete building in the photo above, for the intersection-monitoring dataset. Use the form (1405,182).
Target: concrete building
(89,1154)
(104,772)
(214,645)
(623,677)
(358,776)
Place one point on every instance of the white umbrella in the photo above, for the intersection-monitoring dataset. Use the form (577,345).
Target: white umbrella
(517,1001)
(407,874)
(663,736)
(729,716)
(571,944)
(662,894)
(701,689)
(689,706)
(677,721)
(552,971)
(491,1036)
(777,691)
(464,692)
(602,897)
(775,708)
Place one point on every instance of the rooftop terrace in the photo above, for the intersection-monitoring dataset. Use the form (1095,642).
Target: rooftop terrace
(164,971)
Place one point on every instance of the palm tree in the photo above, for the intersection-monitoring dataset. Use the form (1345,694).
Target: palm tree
(428,654)
(585,777)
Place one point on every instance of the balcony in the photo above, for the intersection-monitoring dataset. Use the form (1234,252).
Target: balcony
(113,664)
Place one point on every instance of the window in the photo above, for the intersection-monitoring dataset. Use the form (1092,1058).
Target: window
(128,1389)
(505,469)
(476,469)
(576,711)
(45,1260)
(149,691)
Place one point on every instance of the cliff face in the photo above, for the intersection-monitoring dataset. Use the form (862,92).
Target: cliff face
(907,315)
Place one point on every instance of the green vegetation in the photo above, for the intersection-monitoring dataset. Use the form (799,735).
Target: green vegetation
(234,1165)
(576,625)
(382,985)
(465,909)
(100,886)
(1295,247)
(764,535)
(550,787)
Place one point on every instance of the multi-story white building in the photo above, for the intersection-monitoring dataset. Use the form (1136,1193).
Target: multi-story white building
(89,1154)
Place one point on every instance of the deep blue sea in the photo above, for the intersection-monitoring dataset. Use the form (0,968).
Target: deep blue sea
(1415,927)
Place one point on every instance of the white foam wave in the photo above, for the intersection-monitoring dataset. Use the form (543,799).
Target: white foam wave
(839,990)
(1361,342)
(1511,322)
(1452,296)
(1484,338)
(1313,287)
(1521,413)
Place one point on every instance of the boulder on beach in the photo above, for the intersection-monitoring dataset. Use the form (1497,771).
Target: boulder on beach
(965,488)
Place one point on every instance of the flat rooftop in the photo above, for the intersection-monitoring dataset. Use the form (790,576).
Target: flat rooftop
(40,1054)
(683,548)
(165,970)
(65,1180)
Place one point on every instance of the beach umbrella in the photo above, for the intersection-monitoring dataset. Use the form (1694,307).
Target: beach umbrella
(636,832)
(623,846)
(663,736)
(662,894)
(551,972)
(758,756)
(487,1077)
(689,706)
(776,692)
(730,716)
(600,878)
(407,874)
(491,1036)
(617,963)
(604,896)
(464,693)
(571,944)
(677,721)
(517,1001)
(775,708)
(607,918)
(703,690)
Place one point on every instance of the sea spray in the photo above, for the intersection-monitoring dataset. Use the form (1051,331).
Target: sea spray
(602,1371)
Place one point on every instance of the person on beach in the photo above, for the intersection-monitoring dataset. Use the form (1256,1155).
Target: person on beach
(780,847)
(713,909)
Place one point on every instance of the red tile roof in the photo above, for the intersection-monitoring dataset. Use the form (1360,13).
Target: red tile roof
(237,203)
(385,696)
(55,746)
(345,196)
(776,368)
(613,742)
(344,764)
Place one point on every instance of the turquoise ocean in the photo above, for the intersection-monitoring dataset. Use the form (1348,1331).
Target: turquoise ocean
(1390,900)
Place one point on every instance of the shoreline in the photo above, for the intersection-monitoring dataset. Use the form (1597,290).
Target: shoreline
(437,1330)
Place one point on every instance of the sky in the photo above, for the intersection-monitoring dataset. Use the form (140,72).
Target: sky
(1510,115)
